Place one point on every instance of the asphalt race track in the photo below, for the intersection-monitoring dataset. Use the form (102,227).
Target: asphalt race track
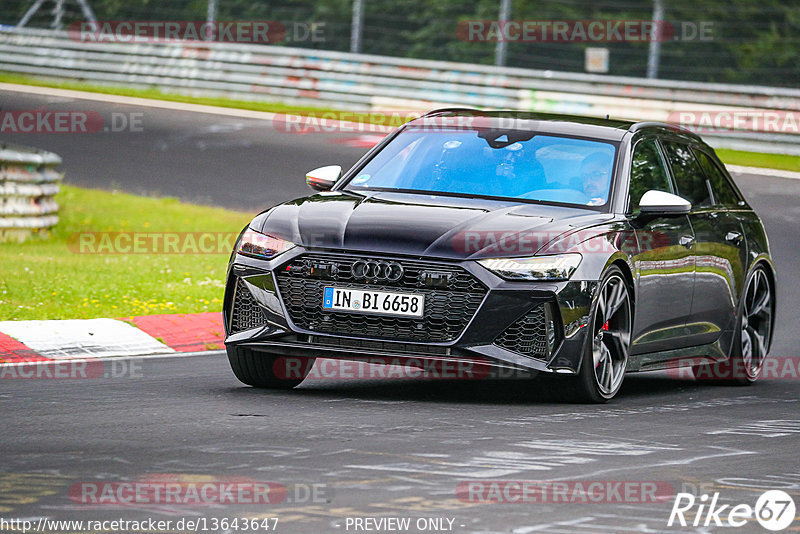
(209,159)
(379,448)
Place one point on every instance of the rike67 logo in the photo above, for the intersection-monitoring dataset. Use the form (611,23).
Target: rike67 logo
(774,510)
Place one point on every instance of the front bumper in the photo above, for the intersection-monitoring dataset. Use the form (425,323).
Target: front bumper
(537,326)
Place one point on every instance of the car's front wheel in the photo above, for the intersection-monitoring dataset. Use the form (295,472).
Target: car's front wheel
(269,371)
(606,354)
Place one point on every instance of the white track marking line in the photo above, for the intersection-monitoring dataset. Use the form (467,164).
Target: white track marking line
(137,101)
(344,126)
(121,358)
(760,171)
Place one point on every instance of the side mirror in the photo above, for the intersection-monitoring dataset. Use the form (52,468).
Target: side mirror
(323,178)
(662,203)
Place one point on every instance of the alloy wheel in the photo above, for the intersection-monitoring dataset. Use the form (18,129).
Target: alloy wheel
(756,325)
(611,330)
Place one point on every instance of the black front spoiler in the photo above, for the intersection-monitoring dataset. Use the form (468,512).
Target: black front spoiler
(490,356)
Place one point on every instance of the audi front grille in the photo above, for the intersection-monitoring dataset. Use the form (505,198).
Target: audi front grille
(452,296)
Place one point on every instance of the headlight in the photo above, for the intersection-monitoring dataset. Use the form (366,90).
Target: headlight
(558,267)
(263,246)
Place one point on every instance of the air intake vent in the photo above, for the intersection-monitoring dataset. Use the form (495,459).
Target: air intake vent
(247,314)
(533,335)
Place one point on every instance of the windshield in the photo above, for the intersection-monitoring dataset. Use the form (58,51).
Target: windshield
(494,163)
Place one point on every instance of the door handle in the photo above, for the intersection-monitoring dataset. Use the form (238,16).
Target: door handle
(734,237)
(687,241)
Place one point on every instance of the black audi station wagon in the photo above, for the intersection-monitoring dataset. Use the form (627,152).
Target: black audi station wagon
(577,247)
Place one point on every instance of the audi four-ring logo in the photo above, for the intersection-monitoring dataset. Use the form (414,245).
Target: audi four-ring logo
(388,271)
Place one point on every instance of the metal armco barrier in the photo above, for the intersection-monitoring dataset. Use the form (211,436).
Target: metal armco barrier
(363,82)
(28,183)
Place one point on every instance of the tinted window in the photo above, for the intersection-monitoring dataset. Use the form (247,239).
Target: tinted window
(689,177)
(496,163)
(647,172)
(724,193)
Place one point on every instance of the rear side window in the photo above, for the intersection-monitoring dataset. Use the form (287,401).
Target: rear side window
(647,172)
(724,194)
(689,177)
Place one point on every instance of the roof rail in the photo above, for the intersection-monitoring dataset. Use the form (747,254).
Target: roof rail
(448,110)
(645,124)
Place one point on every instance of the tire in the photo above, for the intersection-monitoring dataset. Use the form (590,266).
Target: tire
(751,339)
(257,369)
(607,347)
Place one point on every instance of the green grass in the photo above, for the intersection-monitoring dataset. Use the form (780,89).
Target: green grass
(50,279)
(758,159)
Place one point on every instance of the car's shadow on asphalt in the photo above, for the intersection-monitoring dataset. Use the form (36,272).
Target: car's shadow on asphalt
(499,392)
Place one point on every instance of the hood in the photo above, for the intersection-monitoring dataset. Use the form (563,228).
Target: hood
(421,225)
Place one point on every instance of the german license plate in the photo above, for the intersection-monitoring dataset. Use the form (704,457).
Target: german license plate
(373,302)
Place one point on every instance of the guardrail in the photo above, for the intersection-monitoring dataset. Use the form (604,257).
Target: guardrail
(365,82)
(28,183)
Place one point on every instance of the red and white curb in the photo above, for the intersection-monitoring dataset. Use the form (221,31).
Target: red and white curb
(42,341)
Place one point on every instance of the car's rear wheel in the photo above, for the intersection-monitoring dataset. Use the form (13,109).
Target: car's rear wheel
(269,371)
(606,354)
(752,338)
